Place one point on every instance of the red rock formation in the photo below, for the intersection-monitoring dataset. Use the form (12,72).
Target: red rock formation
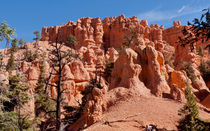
(126,72)
(138,70)
(110,32)
(171,35)
(153,71)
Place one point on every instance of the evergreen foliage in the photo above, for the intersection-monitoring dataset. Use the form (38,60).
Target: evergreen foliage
(11,117)
(198,30)
(29,56)
(6,33)
(43,102)
(71,41)
(205,70)
(108,69)
(11,63)
(133,34)
(37,36)
(187,67)
(191,120)
(168,61)
(14,47)
(21,43)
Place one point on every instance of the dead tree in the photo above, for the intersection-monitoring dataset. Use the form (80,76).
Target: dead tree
(58,61)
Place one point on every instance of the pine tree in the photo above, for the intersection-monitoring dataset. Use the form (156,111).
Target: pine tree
(19,98)
(21,43)
(191,120)
(38,36)
(11,62)
(71,41)
(14,45)
(43,102)
(11,117)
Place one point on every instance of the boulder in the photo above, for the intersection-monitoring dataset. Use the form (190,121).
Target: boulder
(177,94)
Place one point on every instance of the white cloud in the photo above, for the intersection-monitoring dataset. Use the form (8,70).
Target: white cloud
(159,15)
(181,9)
(155,15)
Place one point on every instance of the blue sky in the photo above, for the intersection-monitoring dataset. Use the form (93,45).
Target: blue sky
(29,15)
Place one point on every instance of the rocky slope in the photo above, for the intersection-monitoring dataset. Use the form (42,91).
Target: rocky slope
(151,67)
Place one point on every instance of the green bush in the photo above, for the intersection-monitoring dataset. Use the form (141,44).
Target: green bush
(11,63)
(71,41)
(14,47)
(205,70)
(187,67)
(168,61)
(29,56)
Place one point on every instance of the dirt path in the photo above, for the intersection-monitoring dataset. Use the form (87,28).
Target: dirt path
(130,115)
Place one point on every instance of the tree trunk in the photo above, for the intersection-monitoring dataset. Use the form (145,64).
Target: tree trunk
(58,106)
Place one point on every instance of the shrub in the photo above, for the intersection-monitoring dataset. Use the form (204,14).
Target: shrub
(11,63)
(168,61)
(200,52)
(187,67)
(71,41)
(21,43)
(108,69)
(205,70)
(29,56)
(14,45)
(208,62)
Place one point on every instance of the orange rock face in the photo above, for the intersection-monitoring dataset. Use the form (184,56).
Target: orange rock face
(79,72)
(126,74)
(95,35)
(109,32)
